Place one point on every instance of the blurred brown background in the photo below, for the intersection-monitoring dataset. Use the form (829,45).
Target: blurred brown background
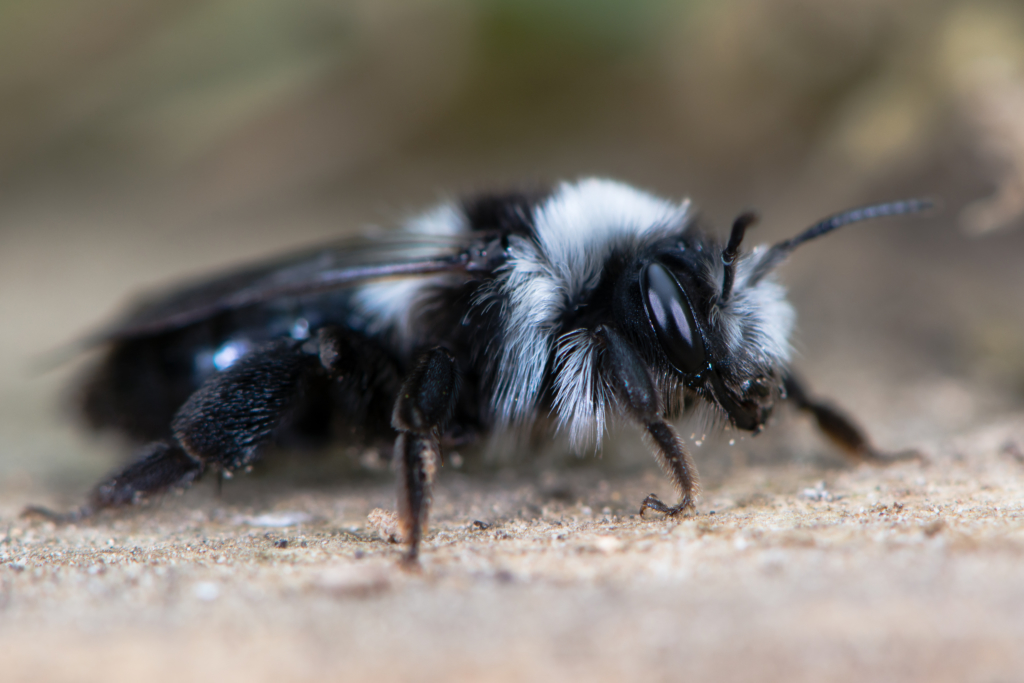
(146,141)
(141,142)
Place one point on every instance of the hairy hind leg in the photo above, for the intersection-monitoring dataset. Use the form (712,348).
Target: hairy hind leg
(220,426)
(224,423)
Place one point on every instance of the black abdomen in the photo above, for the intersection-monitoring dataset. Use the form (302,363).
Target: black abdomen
(141,382)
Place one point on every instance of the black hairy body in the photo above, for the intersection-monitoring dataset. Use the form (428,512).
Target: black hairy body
(487,316)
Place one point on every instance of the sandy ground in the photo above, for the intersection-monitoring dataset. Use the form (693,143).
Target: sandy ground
(799,573)
(798,566)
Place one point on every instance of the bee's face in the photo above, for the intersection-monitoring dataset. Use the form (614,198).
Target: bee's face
(735,377)
(750,402)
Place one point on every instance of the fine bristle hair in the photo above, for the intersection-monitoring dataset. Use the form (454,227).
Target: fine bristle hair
(574,232)
(778,252)
(739,228)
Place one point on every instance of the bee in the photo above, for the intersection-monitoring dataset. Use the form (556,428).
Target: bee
(487,316)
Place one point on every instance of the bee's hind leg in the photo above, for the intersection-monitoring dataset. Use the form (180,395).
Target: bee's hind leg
(158,466)
(425,404)
(840,427)
(220,426)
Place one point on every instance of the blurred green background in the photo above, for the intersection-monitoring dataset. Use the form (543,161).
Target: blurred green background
(143,141)
(240,106)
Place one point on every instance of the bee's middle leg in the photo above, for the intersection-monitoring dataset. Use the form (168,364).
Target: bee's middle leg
(425,403)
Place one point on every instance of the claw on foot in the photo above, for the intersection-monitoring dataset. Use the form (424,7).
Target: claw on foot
(652,502)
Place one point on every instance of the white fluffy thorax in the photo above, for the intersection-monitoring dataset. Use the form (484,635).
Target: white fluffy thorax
(575,231)
(388,306)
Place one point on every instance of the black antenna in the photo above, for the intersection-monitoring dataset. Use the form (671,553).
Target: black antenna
(739,228)
(778,252)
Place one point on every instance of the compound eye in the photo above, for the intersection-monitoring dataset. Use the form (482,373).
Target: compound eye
(670,316)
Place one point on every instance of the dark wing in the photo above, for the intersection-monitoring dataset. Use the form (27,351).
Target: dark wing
(323,269)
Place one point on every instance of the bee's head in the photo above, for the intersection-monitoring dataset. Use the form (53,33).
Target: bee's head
(731,354)
(723,324)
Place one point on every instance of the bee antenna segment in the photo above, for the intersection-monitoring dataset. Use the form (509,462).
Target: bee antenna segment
(739,228)
(779,251)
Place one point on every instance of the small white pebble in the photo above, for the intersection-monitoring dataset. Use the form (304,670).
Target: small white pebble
(385,522)
(818,493)
(607,544)
(206,591)
(275,519)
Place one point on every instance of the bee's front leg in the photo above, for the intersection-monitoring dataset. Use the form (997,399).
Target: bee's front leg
(630,379)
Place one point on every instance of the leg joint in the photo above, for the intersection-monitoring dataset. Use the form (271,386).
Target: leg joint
(427,398)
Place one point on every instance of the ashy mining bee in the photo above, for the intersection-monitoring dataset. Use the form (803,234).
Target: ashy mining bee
(479,317)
